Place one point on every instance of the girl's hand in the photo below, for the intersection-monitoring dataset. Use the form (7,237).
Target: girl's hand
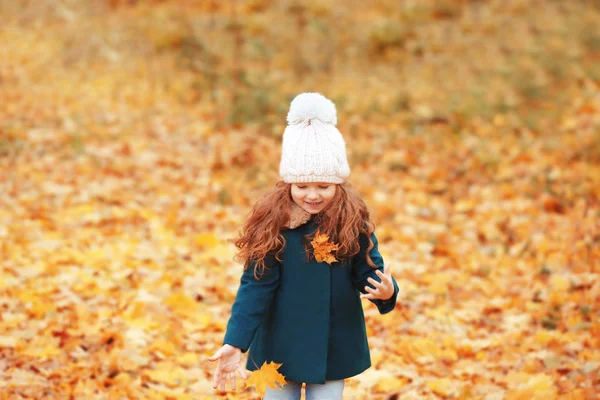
(230,358)
(384,290)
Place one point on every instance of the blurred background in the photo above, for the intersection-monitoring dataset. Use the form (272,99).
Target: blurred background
(136,135)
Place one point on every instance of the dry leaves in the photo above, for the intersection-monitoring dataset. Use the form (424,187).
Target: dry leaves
(322,248)
(121,183)
(266,376)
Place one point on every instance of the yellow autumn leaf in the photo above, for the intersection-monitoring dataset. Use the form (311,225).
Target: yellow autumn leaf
(187,359)
(8,342)
(578,394)
(443,387)
(181,304)
(167,374)
(531,387)
(122,379)
(42,350)
(390,384)
(165,347)
(438,283)
(266,376)
(464,205)
(422,351)
(560,283)
(206,240)
(221,251)
(323,248)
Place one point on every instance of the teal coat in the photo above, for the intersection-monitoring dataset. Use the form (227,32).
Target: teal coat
(307,316)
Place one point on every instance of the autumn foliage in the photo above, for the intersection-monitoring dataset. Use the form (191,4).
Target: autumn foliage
(323,248)
(136,135)
(266,376)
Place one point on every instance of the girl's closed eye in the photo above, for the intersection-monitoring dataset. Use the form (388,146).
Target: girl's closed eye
(314,197)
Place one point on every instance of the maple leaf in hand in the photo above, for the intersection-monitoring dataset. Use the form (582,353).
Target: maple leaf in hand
(267,375)
(323,248)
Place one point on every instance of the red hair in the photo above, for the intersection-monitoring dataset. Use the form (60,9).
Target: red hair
(343,219)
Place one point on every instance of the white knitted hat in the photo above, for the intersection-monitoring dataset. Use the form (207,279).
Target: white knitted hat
(313,150)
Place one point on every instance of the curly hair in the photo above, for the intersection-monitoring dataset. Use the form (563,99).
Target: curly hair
(343,219)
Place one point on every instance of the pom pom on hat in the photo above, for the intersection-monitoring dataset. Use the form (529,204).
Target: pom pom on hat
(307,106)
(313,150)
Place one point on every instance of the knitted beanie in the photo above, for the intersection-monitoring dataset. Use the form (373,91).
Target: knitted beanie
(313,150)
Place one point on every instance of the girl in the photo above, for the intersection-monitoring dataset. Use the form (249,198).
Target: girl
(298,303)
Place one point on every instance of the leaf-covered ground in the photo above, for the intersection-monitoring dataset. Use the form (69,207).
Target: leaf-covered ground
(121,182)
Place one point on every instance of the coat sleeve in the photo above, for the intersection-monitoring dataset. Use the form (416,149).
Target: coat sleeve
(361,270)
(252,303)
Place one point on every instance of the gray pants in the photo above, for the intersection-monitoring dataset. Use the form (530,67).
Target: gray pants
(331,390)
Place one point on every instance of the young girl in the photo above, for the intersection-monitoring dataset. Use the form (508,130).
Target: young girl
(290,308)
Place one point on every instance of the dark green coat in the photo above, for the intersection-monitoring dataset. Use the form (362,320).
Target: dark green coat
(306,316)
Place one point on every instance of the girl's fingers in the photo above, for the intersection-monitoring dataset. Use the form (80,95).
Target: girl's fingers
(215,356)
(374,294)
(222,382)
(216,378)
(243,373)
(368,289)
(373,282)
(385,276)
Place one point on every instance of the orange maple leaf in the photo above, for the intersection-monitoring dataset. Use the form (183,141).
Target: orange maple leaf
(323,248)
(267,375)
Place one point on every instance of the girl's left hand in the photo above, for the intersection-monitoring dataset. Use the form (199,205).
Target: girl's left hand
(384,290)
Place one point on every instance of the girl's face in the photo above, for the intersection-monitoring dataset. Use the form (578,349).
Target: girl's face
(313,196)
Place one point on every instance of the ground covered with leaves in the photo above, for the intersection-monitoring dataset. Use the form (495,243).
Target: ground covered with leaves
(135,136)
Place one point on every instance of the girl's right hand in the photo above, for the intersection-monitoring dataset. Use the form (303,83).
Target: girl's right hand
(230,358)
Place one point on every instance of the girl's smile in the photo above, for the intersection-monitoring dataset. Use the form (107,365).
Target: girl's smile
(313,196)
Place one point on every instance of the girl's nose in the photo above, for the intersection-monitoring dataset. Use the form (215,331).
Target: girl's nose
(313,192)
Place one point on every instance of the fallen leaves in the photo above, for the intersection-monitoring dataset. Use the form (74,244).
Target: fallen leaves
(266,376)
(165,373)
(444,387)
(323,248)
(116,207)
(525,386)
(390,384)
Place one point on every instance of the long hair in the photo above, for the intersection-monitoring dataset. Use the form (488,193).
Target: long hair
(344,219)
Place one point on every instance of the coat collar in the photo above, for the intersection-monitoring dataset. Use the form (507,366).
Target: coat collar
(298,216)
